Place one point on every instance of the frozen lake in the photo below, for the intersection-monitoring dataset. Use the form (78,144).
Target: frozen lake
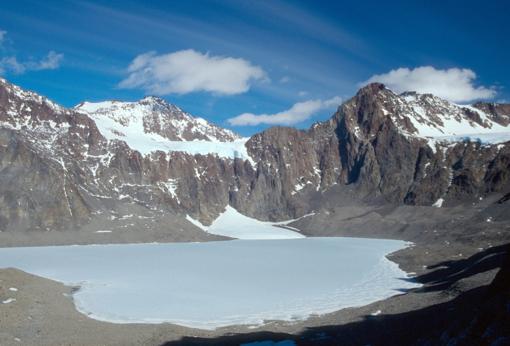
(209,285)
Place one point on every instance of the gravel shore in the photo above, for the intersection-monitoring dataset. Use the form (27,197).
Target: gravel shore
(455,252)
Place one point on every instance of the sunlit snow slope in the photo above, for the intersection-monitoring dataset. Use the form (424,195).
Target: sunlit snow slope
(232,223)
(441,121)
(152,124)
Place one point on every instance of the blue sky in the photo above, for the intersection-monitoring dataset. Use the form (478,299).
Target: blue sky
(306,54)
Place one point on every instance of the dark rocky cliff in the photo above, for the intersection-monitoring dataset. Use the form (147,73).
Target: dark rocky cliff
(58,171)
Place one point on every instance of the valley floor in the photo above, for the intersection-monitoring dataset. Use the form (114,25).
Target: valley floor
(456,260)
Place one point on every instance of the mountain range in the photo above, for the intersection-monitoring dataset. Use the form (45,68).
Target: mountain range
(149,164)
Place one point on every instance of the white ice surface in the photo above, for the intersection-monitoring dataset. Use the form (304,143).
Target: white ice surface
(233,224)
(482,138)
(214,284)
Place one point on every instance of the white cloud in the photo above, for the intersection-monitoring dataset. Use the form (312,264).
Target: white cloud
(11,64)
(189,71)
(297,113)
(454,84)
(51,62)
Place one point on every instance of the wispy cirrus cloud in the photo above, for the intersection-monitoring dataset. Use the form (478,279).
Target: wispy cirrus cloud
(50,62)
(299,112)
(11,63)
(188,71)
(454,84)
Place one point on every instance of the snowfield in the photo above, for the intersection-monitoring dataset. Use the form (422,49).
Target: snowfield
(233,224)
(146,143)
(215,284)
(442,122)
(125,121)
(482,138)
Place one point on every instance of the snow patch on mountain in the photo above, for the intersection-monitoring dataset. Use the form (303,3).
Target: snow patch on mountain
(439,121)
(232,223)
(482,138)
(155,115)
(152,124)
(438,203)
(435,117)
(196,223)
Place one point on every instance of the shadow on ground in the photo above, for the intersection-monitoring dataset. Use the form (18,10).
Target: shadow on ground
(479,316)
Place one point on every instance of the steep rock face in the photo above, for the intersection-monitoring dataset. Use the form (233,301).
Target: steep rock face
(373,152)
(405,147)
(498,112)
(291,164)
(61,168)
(37,138)
(410,148)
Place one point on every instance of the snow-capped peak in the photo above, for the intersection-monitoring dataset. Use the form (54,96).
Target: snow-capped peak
(154,115)
(152,124)
(25,96)
(438,120)
(153,100)
(433,116)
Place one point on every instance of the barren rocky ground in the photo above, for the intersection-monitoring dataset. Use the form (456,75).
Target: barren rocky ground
(456,254)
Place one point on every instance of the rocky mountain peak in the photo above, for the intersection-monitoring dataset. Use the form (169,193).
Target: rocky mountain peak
(153,99)
(10,93)
(371,89)
(363,115)
(157,104)
(102,158)
(21,108)
(422,116)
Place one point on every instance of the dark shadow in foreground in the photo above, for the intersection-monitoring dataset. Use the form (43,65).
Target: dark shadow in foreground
(480,316)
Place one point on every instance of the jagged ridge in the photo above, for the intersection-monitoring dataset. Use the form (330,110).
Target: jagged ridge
(374,144)
(153,115)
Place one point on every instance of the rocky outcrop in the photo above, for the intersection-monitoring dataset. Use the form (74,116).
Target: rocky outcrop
(63,168)
(384,152)
(379,143)
(498,112)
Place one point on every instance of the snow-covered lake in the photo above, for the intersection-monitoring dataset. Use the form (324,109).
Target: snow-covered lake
(214,284)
